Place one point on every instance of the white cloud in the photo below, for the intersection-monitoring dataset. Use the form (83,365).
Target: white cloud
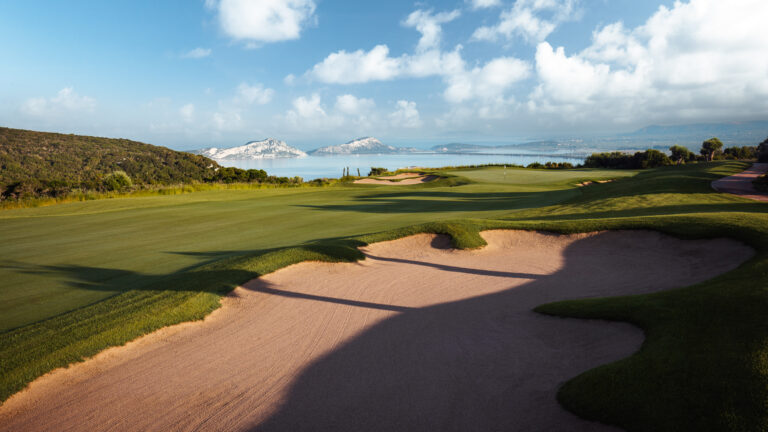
(433,62)
(406,115)
(489,82)
(257,94)
(376,65)
(263,20)
(429,25)
(289,79)
(672,67)
(197,53)
(350,105)
(66,100)
(361,66)
(483,4)
(307,108)
(227,121)
(187,113)
(358,66)
(533,20)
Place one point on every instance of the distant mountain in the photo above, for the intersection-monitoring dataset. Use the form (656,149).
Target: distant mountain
(269,148)
(458,147)
(733,131)
(367,145)
(550,145)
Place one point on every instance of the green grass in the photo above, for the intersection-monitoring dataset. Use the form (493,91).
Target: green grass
(100,273)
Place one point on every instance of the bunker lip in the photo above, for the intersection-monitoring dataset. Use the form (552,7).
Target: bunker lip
(404,182)
(741,183)
(394,342)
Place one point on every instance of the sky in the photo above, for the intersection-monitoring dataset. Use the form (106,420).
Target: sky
(189,74)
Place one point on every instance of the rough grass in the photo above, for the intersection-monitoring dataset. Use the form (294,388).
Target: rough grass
(703,366)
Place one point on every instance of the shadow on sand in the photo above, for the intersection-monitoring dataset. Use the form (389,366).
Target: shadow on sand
(487,363)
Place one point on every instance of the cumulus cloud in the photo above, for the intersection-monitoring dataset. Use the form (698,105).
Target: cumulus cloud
(197,53)
(263,20)
(483,4)
(358,66)
(307,108)
(254,94)
(66,100)
(533,20)
(486,82)
(227,121)
(187,113)
(406,115)
(230,112)
(376,65)
(673,66)
(429,25)
(351,105)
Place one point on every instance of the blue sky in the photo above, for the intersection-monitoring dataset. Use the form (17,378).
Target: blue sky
(189,74)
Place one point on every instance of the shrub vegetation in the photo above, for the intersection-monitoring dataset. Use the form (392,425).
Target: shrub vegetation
(619,160)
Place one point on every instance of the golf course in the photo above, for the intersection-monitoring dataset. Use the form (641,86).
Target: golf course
(81,277)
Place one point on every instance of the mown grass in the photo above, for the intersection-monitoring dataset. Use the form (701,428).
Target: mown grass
(120,241)
(704,365)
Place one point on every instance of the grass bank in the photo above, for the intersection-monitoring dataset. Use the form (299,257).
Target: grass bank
(702,366)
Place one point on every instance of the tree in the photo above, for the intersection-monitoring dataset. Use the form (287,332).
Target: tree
(650,159)
(680,154)
(711,148)
(762,151)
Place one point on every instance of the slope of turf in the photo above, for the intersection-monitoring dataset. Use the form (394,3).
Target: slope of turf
(703,366)
(118,242)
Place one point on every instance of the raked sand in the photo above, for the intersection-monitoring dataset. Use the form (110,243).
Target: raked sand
(404,179)
(416,337)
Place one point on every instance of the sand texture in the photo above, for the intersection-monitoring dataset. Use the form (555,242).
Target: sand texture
(741,183)
(417,337)
(404,179)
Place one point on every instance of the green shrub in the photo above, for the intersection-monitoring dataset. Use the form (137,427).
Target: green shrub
(377,171)
(743,153)
(762,151)
(618,160)
(761,183)
(117,181)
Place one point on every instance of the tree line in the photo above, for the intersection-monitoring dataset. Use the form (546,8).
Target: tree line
(711,149)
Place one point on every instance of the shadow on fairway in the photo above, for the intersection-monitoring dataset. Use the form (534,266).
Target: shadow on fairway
(434,201)
(736,207)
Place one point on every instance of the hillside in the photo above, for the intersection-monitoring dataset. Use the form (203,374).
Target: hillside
(366,145)
(269,148)
(41,163)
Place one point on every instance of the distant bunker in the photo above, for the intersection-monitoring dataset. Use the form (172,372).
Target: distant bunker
(402,179)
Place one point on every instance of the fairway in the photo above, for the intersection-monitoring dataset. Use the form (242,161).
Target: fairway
(58,258)
(81,277)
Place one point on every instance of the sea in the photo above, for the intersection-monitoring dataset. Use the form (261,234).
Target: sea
(313,167)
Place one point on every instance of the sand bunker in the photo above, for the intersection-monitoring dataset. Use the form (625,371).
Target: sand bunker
(402,179)
(741,183)
(416,337)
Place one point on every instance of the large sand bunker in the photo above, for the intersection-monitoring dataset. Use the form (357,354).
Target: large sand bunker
(402,179)
(416,337)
